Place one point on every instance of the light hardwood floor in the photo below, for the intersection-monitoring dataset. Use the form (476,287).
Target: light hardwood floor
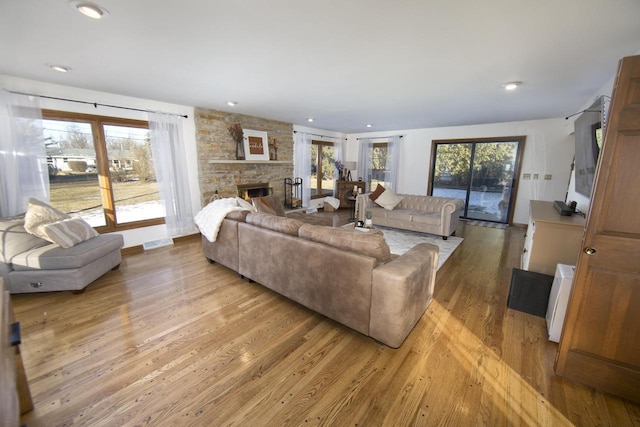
(170,339)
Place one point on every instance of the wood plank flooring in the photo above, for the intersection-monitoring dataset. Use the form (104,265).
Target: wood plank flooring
(169,339)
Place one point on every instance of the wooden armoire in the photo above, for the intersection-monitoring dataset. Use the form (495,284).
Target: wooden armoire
(600,342)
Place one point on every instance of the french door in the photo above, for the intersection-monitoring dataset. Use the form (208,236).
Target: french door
(482,172)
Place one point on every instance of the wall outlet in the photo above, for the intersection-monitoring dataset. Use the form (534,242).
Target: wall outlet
(526,176)
(547,176)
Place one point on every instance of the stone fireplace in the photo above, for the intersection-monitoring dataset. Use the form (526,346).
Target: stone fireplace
(258,189)
(218,168)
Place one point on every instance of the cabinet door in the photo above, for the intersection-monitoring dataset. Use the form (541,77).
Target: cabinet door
(600,343)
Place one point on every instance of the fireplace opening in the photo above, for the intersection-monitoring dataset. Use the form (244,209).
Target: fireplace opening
(258,189)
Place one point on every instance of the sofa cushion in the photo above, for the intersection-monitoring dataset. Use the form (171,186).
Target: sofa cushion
(369,244)
(388,200)
(52,257)
(431,218)
(399,215)
(280,224)
(14,239)
(39,214)
(377,192)
(69,232)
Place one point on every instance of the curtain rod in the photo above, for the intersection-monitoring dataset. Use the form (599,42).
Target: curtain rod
(380,137)
(321,136)
(96,104)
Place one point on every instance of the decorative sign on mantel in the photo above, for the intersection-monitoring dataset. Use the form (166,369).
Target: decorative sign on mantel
(255,145)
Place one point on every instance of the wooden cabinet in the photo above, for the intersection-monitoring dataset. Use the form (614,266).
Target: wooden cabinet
(16,397)
(344,190)
(551,239)
(600,342)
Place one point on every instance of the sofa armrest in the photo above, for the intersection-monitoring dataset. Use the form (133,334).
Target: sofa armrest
(401,292)
(363,202)
(448,215)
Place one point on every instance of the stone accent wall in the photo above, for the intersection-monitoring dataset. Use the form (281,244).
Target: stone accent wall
(215,142)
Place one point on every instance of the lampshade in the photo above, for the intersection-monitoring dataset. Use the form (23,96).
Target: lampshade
(349,165)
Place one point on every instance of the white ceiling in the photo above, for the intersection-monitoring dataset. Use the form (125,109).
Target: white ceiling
(400,64)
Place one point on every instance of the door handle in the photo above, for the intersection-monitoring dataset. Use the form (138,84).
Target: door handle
(590,251)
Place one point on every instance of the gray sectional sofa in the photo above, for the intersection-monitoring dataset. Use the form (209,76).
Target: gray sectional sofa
(426,214)
(31,264)
(344,274)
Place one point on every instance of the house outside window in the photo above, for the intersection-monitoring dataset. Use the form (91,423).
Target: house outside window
(322,169)
(101,169)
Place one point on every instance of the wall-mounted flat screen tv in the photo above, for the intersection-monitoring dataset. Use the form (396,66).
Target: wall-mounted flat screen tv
(589,134)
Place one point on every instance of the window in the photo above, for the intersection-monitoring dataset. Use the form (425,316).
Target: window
(322,169)
(101,169)
(378,165)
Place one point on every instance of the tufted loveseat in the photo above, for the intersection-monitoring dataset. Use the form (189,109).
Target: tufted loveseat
(426,214)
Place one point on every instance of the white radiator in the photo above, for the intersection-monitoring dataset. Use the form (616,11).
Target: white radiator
(558,300)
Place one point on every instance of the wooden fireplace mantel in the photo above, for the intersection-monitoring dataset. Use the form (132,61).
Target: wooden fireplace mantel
(265,162)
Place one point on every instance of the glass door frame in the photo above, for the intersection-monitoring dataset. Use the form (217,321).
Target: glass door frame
(520,140)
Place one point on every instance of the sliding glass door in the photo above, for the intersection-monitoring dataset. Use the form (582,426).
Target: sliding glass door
(482,172)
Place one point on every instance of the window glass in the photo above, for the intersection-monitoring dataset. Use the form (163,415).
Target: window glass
(378,165)
(133,177)
(322,169)
(101,169)
(73,173)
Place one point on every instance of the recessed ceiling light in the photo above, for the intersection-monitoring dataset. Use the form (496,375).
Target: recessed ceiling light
(59,68)
(369,125)
(310,119)
(89,9)
(232,103)
(511,85)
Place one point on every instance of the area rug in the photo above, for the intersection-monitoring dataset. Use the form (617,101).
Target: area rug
(487,224)
(400,241)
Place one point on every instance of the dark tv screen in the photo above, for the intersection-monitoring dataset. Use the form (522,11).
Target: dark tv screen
(588,136)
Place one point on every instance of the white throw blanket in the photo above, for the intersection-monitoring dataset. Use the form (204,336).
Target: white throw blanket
(209,219)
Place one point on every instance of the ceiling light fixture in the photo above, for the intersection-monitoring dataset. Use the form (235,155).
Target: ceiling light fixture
(59,68)
(232,103)
(89,9)
(511,85)
(369,125)
(310,119)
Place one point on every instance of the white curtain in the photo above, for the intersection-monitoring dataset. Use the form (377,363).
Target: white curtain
(393,159)
(365,163)
(169,158)
(339,148)
(23,158)
(365,150)
(302,164)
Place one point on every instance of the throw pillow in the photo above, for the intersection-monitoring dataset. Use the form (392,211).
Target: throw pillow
(15,240)
(378,191)
(69,232)
(261,206)
(388,200)
(244,204)
(38,214)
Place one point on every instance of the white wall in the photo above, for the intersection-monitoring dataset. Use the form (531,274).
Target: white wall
(549,149)
(141,235)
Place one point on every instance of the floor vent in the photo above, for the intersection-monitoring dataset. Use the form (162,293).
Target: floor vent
(157,243)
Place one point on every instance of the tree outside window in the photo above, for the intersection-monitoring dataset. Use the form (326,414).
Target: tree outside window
(322,169)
